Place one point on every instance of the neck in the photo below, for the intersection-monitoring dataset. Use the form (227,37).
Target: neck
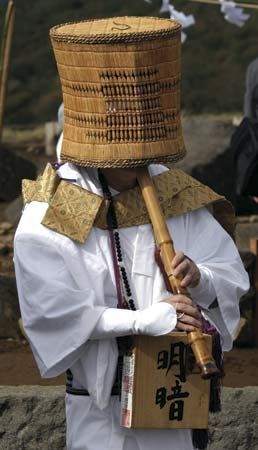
(120,179)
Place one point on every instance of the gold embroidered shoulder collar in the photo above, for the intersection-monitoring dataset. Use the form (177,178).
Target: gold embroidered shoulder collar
(73,211)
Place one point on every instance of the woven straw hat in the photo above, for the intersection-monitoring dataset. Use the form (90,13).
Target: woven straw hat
(120,79)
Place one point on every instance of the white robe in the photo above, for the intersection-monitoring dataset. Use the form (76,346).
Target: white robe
(66,287)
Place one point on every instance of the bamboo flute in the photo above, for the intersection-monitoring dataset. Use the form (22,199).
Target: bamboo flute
(5,57)
(203,357)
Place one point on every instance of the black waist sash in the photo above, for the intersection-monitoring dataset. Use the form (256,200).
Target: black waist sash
(77,391)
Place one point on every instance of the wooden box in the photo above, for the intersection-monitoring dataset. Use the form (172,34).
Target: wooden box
(162,386)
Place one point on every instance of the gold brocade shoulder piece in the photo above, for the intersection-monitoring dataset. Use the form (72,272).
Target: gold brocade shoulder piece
(43,189)
(178,193)
(72,211)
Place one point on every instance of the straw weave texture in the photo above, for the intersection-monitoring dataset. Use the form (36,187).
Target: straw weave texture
(120,79)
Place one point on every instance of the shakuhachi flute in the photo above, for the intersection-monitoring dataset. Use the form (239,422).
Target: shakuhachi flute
(204,359)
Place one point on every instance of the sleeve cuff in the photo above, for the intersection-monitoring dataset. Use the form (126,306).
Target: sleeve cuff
(157,320)
(204,294)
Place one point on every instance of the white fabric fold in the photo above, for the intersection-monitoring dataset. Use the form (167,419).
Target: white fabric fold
(212,248)
(144,250)
(45,285)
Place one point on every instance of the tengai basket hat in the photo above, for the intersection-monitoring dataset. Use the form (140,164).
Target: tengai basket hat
(120,80)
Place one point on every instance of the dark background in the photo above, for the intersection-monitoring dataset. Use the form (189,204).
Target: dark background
(214,56)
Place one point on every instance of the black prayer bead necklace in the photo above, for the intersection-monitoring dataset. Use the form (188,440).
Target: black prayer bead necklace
(112,222)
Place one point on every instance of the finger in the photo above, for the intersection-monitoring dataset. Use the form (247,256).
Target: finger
(194,282)
(188,320)
(183,327)
(179,298)
(196,279)
(182,268)
(188,280)
(178,258)
(189,310)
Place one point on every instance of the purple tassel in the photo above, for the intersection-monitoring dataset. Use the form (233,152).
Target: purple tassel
(200,439)
(215,390)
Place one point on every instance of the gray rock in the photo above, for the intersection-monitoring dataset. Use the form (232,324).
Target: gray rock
(205,138)
(32,418)
(236,427)
(210,158)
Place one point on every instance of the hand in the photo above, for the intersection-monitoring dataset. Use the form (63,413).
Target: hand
(188,315)
(185,267)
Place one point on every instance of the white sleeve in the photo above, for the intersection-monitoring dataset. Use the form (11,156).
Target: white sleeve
(216,254)
(59,317)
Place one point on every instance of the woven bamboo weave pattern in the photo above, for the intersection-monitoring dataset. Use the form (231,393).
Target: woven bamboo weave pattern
(120,79)
(109,30)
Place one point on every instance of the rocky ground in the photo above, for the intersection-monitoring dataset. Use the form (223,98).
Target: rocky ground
(33,418)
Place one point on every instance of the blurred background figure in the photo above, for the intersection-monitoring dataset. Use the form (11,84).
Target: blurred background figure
(60,116)
(251,93)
